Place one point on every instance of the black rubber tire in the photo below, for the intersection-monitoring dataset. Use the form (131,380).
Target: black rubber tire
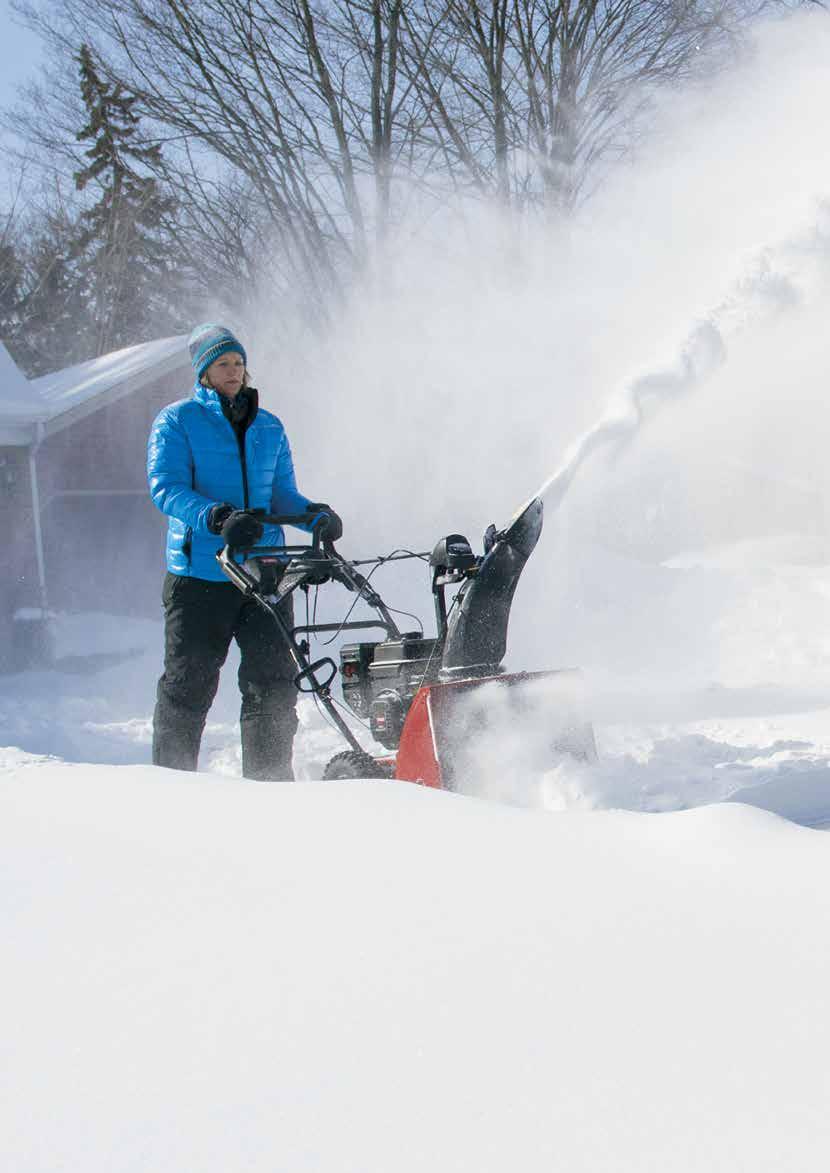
(351,764)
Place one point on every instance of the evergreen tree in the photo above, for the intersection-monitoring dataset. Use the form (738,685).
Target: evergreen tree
(11,276)
(52,325)
(122,249)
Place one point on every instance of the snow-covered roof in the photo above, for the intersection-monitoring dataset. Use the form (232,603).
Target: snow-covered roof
(52,402)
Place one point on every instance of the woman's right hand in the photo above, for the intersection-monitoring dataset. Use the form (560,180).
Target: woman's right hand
(241,530)
(218,515)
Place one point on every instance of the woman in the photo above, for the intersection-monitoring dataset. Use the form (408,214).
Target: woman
(210,459)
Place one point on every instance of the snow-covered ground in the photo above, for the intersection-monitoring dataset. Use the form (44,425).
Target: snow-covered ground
(203,973)
(206,975)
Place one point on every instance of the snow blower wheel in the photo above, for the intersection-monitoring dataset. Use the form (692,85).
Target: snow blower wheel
(350,764)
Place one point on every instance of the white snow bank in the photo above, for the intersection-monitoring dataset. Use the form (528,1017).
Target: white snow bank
(208,974)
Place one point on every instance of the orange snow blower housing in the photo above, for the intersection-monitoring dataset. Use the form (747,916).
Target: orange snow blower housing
(441,706)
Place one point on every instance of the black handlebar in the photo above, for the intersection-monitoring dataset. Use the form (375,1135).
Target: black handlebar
(298,519)
(318,532)
(309,561)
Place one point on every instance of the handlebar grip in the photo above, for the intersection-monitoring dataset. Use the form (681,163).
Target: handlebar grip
(287,518)
(318,538)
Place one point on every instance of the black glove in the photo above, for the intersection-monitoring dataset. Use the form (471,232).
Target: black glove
(241,530)
(217,517)
(331,527)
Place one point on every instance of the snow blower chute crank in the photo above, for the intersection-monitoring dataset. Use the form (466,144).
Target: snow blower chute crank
(428,700)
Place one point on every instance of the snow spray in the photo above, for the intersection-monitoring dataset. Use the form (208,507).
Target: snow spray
(762,294)
(467,377)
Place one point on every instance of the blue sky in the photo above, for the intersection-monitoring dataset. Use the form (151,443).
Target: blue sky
(21,59)
(20,56)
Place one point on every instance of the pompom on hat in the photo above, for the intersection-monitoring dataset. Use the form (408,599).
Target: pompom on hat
(207,342)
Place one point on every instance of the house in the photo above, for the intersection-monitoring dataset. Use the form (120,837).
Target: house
(80,531)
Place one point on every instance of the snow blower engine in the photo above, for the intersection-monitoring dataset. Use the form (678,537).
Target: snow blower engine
(440,705)
(380,680)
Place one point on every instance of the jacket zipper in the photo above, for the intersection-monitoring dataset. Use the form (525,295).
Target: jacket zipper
(240,440)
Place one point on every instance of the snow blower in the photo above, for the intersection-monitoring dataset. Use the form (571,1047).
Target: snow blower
(440,705)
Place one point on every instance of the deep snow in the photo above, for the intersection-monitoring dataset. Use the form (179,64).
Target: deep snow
(206,974)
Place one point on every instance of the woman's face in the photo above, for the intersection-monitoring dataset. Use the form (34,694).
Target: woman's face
(226,374)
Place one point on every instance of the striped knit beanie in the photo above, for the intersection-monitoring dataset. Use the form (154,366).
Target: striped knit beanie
(208,342)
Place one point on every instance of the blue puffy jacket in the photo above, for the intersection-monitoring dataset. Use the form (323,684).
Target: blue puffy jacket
(194,463)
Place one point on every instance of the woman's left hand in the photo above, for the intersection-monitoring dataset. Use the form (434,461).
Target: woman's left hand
(331,525)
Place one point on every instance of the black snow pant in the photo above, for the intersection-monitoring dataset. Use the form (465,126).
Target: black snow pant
(201,619)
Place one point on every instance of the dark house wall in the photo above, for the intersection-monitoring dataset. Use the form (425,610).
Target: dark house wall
(18,565)
(103,539)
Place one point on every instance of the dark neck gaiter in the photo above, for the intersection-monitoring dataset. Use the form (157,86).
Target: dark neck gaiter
(238,409)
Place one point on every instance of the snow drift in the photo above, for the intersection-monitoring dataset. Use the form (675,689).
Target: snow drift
(208,974)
